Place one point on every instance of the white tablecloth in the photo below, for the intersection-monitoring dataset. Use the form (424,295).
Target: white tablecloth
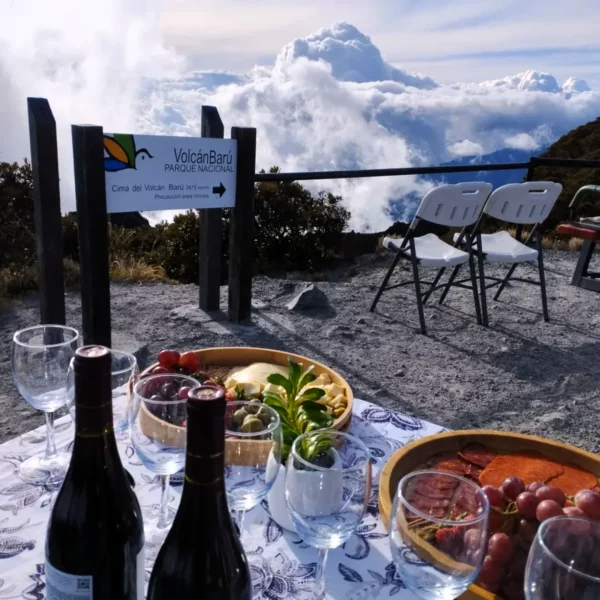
(280,560)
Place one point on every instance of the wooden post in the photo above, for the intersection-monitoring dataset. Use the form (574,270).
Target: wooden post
(47,215)
(210,228)
(241,236)
(92,220)
(531,169)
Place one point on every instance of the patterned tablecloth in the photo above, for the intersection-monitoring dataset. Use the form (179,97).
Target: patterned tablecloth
(284,565)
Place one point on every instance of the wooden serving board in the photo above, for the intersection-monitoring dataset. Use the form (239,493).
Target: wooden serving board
(415,454)
(243,356)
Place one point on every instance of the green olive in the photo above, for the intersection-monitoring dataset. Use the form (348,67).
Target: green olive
(264,415)
(252,409)
(239,415)
(252,425)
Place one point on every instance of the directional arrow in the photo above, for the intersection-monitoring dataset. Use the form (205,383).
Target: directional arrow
(219,190)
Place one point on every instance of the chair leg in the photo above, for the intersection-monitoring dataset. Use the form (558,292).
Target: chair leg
(415,267)
(505,280)
(542,277)
(484,310)
(475,288)
(385,281)
(436,280)
(450,282)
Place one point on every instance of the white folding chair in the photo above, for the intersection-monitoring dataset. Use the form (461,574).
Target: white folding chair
(519,204)
(457,205)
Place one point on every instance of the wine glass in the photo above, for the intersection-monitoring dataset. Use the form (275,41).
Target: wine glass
(157,421)
(327,487)
(253,442)
(40,361)
(564,560)
(438,533)
(124,375)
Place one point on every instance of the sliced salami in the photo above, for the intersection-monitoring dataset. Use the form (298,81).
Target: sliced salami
(477,454)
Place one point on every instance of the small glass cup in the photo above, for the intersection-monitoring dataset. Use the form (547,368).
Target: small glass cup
(564,560)
(124,375)
(157,424)
(252,457)
(40,362)
(438,533)
(327,488)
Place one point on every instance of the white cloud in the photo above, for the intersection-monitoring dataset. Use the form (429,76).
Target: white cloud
(328,101)
(465,148)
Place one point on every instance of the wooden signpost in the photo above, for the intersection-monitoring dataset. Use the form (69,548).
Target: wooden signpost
(46,203)
(124,172)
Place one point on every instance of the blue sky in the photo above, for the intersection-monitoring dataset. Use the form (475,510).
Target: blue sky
(458,40)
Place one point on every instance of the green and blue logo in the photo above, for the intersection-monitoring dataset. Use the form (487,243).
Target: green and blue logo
(121,153)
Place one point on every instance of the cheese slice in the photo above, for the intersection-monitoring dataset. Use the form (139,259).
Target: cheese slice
(256,372)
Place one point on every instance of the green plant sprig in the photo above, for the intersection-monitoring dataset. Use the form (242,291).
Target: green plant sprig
(299,411)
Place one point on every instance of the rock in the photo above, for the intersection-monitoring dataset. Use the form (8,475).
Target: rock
(310,297)
(361,321)
(128,343)
(400,373)
(554,419)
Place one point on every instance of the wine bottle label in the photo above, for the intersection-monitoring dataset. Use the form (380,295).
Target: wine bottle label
(62,586)
(140,567)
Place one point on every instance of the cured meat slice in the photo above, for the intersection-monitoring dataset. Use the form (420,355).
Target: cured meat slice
(466,499)
(429,491)
(529,466)
(450,463)
(473,472)
(477,454)
(424,502)
(573,479)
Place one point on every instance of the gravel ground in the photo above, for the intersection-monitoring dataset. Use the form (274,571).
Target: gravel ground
(521,374)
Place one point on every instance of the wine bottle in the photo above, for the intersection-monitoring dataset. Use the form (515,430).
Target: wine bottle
(95,537)
(202,556)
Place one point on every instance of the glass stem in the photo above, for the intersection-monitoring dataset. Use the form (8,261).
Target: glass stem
(239,519)
(163,511)
(50,440)
(319,592)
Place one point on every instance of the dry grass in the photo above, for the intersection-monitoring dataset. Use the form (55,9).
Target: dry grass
(133,269)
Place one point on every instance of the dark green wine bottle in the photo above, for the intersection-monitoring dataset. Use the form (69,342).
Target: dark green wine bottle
(95,538)
(202,556)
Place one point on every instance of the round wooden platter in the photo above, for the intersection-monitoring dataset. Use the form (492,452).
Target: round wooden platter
(239,357)
(414,455)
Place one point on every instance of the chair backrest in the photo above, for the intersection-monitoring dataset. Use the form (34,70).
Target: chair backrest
(523,203)
(454,205)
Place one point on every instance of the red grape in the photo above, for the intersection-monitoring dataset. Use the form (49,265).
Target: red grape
(182,394)
(589,502)
(513,590)
(527,502)
(547,509)
(494,495)
(533,487)
(472,539)
(159,370)
(573,511)
(527,530)
(491,572)
(168,358)
(576,527)
(512,487)
(549,492)
(501,548)
(495,521)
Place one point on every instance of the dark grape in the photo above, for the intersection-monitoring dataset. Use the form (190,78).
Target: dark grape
(516,569)
(167,390)
(182,394)
(495,521)
(527,530)
(549,492)
(491,572)
(501,548)
(533,487)
(513,590)
(512,487)
(527,502)
(156,398)
(495,496)
(589,502)
(148,388)
(547,509)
